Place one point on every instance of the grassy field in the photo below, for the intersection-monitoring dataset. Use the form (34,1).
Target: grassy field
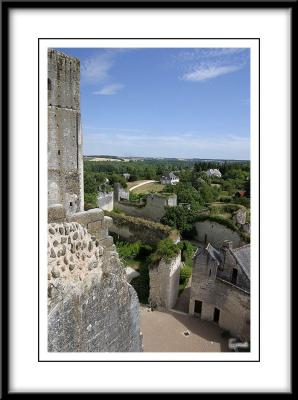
(131,184)
(149,188)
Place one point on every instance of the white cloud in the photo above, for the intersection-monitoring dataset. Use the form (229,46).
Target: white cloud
(204,73)
(109,89)
(96,69)
(202,64)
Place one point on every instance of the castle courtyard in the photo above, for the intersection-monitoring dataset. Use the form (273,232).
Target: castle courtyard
(173,331)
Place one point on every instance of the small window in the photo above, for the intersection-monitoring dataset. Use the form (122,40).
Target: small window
(209,273)
(49,84)
(70,204)
(58,152)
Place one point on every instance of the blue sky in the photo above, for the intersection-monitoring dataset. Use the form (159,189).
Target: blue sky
(166,102)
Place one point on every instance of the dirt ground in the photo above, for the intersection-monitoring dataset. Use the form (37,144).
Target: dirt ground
(163,331)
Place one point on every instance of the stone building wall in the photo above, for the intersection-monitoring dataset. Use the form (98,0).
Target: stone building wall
(215,233)
(65,161)
(164,282)
(214,292)
(91,307)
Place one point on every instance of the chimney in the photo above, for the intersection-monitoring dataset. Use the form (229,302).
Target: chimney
(227,244)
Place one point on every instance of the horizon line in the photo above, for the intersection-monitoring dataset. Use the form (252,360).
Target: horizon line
(168,158)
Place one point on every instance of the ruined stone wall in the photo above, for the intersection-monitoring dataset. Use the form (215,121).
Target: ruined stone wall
(213,292)
(215,233)
(65,161)
(164,282)
(132,229)
(154,209)
(120,192)
(91,307)
(105,201)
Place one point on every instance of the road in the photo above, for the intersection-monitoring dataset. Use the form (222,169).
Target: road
(141,184)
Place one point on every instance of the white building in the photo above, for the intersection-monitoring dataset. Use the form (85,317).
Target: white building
(126,176)
(213,172)
(169,179)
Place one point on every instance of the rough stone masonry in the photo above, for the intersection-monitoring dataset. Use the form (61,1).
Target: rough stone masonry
(65,161)
(91,306)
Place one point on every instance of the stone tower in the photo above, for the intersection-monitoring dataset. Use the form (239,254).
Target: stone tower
(65,159)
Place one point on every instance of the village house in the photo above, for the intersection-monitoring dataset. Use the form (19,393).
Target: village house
(169,179)
(220,288)
(126,176)
(240,193)
(214,172)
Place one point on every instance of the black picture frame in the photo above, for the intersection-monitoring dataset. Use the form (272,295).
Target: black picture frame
(6,8)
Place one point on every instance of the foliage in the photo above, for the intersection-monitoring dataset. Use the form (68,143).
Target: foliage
(187,250)
(244,201)
(141,283)
(135,196)
(128,250)
(90,200)
(185,274)
(180,218)
(208,193)
(139,253)
(166,249)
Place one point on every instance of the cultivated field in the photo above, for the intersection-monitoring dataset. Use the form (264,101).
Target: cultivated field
(135,183)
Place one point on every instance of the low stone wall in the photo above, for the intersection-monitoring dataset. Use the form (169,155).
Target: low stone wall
(164,282)
(215,233)
(132,229)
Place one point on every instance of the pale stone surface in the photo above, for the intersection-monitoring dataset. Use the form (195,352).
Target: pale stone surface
(240,217)
(56,213)
(98,314)
(215,233)
(131,274)
(90,290)
(164,282)
(105,201)
(65,161)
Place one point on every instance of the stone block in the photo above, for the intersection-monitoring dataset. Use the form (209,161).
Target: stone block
(85,217)
(56,213)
